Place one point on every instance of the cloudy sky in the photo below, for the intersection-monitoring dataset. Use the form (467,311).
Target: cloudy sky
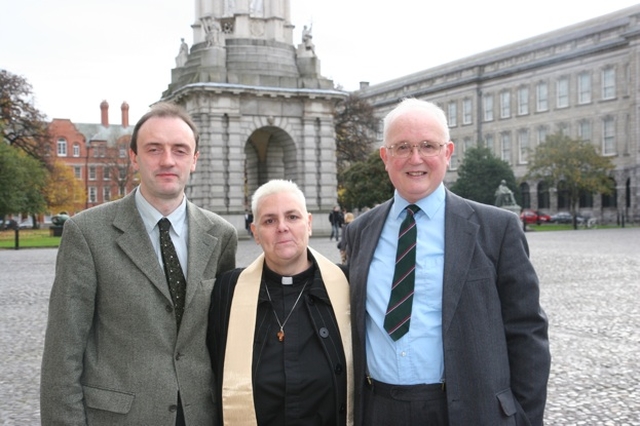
(76,53)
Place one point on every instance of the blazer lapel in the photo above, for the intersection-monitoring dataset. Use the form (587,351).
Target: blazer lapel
(364,248)
(460,235)
(202,243)
(135,243)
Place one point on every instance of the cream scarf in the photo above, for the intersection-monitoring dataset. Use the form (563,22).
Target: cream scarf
(237,389)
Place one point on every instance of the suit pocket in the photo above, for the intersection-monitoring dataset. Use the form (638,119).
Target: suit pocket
(507,402)
(107,399)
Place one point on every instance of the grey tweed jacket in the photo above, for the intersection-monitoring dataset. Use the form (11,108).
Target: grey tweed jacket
(112,353)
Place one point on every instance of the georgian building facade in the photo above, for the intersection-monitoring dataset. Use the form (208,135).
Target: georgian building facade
(582,80)
(98,155)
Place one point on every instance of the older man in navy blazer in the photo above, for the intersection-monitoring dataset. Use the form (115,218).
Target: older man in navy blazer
(118,349)
(476,350)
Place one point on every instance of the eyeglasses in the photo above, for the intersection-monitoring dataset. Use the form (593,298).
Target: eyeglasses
(425,149)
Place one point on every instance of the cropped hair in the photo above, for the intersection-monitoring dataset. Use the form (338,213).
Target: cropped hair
(410,105)
(277,186)
(164,109)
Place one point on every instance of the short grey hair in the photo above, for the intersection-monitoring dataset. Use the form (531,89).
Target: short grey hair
(277,186)
(412,104)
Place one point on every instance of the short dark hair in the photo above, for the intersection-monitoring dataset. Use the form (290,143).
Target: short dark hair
(164,109)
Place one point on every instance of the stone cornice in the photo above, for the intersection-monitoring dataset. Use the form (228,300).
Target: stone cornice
(260,91)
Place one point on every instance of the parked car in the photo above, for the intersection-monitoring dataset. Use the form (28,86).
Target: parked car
(8,224)
(566,217)
(532,216)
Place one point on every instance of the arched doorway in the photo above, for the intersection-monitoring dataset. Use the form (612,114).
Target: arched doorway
(270,153)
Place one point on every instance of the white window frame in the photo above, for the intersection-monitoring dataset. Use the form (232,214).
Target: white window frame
(505,104)
(523,101)
(584,88)
(489,143)
(467,111)
(584,130)
(505,147)
(542,132)
(523,145)
(487,107)
(542,96)
(92,172)
(609,83)
(562,92)
(608,136)
(452,114)
(61,147)
(93,194)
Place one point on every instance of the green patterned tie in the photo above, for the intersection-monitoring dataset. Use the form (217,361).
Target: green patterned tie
(398,316)
(172,269)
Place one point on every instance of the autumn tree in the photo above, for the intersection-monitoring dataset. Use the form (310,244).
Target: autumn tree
(356,127)
(480,174)
(23,125)
(63,191)
(365,184)
(574,165)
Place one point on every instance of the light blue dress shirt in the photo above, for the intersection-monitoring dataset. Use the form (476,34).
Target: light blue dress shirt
(179,228)
(417,357)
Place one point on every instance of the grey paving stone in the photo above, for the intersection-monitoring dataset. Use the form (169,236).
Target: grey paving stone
(590,282)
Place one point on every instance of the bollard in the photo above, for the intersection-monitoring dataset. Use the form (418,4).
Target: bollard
(17,243)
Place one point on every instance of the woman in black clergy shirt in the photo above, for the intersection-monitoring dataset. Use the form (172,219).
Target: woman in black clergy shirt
(279,330)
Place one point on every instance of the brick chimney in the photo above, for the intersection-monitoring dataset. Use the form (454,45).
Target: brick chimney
(125,114)
(104,116)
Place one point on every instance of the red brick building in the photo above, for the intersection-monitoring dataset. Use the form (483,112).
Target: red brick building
(98,155)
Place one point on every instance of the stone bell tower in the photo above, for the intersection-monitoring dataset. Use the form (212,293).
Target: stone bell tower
(263,108)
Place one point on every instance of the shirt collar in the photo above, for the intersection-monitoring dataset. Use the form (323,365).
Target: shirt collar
(429,205)
(150,215)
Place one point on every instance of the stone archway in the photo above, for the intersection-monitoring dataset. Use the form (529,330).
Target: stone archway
(270,153)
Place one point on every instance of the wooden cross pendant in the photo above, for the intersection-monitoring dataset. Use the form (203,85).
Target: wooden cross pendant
(280,335)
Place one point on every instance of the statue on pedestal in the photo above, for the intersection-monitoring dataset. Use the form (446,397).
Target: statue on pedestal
(212,31)
(505,198)
(307,39)
(183,54)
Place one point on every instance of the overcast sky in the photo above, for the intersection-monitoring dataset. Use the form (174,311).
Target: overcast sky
(76,53)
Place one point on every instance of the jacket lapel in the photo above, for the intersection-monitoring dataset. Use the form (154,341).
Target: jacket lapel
(202,243)
(460,235)
(135,243)
(363,250)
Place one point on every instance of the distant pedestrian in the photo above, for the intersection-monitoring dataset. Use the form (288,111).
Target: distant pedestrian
(248,220)
(348,218)
(336,219)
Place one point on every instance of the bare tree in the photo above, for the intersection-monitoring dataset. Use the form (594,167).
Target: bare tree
(22,124)
(356,127)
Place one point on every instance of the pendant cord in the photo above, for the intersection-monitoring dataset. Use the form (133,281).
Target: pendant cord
(266,287)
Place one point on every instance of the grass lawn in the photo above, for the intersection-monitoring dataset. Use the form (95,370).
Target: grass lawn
(28,238)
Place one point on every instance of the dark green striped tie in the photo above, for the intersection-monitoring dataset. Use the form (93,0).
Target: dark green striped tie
(172,269)
(398,316)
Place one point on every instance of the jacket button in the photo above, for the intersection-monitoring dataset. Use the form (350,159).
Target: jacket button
(178,356)
(338,369)
(173,408)
(324,333)
(168,308)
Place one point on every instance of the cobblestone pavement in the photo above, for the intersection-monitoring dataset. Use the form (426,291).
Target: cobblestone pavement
(590,282)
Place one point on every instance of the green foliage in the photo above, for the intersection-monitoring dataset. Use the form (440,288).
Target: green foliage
(480,174)
(574,165)
(365,184)
(22,181)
